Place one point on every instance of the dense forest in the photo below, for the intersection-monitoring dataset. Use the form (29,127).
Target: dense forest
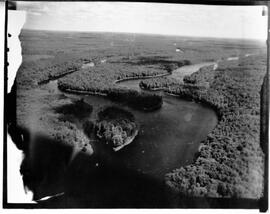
(230,162)
(158,83)
(201,79)
(163,61)
(47,55)
(115,126)
(100,80)
(136,100)
(58,117)
(35,72)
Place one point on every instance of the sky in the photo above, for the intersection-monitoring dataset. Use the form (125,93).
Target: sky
(152,18)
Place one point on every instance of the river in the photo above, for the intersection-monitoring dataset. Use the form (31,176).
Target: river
(168,138)
(134,176)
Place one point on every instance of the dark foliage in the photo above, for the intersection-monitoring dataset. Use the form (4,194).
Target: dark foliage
(115,126)
(114,113)
(135,99)
(78,109)
(158,83)
(100,81)
(230,161)
(32,73)
(163,62)
(204,76)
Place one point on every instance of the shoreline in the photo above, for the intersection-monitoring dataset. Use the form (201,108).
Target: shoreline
(129,140)
(153,89)
(177,177)
(42,82)
(188,98)
(75,91)
(105,95)
(143,77)
(198,98)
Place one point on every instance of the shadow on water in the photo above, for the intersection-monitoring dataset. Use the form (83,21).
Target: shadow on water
(97,181)
(87,181)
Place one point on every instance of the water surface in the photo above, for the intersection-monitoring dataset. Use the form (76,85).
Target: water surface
(168,137)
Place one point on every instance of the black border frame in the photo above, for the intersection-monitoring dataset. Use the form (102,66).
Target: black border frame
(262,203)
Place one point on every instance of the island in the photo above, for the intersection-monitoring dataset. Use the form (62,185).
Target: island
(116,127)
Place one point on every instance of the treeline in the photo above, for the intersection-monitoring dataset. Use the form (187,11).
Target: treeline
(100,81)
(87,80)
(141,73)
(115,126)
(230,162)
(164,62)
(32,73)
(205,76)
(102,77)
(115,113)
(135,99)
(158,83)
(77,108)
(201,79)
(56,119)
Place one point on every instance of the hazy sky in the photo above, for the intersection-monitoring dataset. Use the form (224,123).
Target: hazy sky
(170,19)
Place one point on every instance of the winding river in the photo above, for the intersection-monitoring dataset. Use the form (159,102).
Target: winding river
(168,138)
(134,176)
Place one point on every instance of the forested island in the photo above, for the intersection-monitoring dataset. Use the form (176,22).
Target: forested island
(116,127)
(102,81)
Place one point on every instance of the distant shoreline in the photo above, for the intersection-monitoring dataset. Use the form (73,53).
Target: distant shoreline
(83,92)
(143,77)
(152,34)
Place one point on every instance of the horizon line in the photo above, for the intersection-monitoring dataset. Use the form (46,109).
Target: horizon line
(145,33)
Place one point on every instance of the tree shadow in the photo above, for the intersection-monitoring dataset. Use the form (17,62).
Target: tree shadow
(99,180)
(86,181)
(77,108)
